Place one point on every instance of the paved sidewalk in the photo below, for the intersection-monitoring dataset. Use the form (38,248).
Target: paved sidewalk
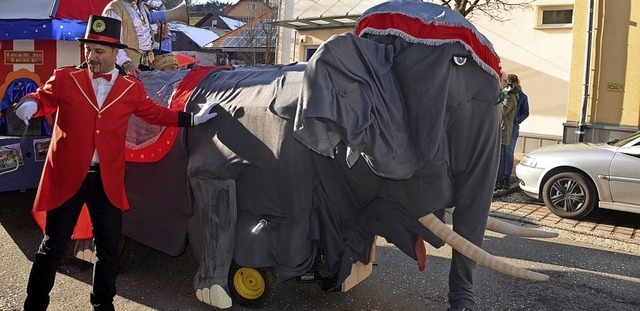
(620,226)
(513,204)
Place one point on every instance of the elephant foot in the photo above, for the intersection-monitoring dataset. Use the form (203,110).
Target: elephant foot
(215,296)
(84,250)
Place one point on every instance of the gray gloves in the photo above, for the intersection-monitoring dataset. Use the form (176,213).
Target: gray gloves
(204,114)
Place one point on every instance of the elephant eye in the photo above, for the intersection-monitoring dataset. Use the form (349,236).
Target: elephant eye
(459,60)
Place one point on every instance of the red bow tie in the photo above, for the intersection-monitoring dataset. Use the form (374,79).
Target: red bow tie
(97,75)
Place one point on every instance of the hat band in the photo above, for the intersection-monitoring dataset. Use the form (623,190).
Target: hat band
(93,36)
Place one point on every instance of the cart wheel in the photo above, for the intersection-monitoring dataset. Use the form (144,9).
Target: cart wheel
(251,287)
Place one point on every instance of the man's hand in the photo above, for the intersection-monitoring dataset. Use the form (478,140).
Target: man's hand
(162,32)
(165,31)
(26,111)
(131,69)
(204,114)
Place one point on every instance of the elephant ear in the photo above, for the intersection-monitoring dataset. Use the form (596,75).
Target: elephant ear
(349,94)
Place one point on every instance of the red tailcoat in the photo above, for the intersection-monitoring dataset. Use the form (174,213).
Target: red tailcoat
(81,127)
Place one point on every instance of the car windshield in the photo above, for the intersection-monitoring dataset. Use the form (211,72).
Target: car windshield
(624,141)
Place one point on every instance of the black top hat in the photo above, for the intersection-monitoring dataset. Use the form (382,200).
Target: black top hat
(103,30)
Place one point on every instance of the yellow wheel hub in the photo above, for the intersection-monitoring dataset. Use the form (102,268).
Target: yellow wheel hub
(249,283)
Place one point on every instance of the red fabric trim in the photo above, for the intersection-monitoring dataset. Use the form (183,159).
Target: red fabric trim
(414,27)
(93,36)
(82,230)
(156,151)
(5,69)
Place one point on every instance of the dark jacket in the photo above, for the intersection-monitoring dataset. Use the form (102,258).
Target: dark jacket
(509,105)
(522,110)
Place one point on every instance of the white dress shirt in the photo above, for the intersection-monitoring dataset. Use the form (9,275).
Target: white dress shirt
(102,87)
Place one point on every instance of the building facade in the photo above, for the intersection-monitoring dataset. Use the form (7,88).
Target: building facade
(603,96)
(535,43)
(544,44)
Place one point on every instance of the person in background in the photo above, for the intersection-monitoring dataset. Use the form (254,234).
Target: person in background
(137,34)
(509,95)
(522,112)
(165,62)
(86,159)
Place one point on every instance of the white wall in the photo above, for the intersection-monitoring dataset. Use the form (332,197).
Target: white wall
(23,45)
(542,60)
(69,53)
(540,57)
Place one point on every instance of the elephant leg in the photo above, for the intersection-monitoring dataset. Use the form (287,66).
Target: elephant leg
(216,199)
(474,167)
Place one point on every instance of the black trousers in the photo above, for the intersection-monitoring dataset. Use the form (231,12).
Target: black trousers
(107,224)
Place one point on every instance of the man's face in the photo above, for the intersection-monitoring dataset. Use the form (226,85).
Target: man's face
(100,58)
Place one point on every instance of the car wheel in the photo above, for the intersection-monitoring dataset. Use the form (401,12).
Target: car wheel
(251,287)
(569,195)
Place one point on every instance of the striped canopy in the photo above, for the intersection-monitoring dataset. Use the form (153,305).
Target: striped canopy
(46,19)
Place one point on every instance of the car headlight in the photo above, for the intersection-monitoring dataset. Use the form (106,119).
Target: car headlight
(528,161)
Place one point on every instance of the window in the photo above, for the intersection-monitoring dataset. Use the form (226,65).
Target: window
(252,7)
(309,52)
(555,17)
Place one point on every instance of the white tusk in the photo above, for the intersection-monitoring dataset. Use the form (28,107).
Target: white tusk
(475,253)
(501,226)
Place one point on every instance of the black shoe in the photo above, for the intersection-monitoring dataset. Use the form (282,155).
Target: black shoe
(458,309)
(502,183)
(505,185)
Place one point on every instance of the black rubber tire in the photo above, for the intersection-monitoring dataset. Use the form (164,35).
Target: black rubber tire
(570,195)
(251,287)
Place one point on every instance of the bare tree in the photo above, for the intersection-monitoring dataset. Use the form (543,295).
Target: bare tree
(170,4)
(259,40)
(495,9)
(203,8)
(271,34)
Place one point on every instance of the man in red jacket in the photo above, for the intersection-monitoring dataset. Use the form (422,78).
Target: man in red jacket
(86,158)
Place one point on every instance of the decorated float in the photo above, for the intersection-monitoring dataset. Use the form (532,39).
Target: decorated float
(305,164)
(36,36)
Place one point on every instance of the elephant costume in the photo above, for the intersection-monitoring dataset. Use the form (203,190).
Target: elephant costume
(378,133)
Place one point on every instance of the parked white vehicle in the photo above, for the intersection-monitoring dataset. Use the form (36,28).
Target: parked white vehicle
(572,179)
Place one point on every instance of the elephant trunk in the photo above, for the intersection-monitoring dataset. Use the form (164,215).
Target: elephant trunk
(475,253)
(504,227)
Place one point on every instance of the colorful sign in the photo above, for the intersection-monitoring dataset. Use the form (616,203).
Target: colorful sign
(10,158)
(23,57)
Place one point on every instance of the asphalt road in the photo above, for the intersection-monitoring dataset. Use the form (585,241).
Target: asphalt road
(587,273)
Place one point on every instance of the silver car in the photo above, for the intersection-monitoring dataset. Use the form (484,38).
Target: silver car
(572,179)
